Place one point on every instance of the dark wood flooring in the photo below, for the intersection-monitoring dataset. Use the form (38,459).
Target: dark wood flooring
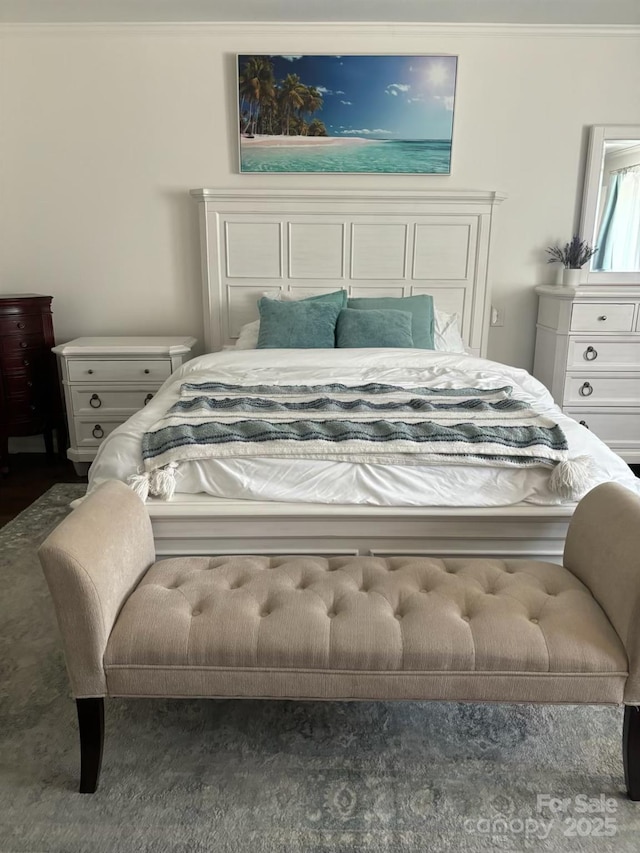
(30,475)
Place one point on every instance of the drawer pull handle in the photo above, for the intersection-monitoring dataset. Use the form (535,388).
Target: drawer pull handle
(147,398)
(33,407)
(95,402)
(602,318)
(586,390)
(584,424)
(97,431)
(26,362)
(146,370)
(24,344)
(29,384)
(590,354)
(20,325)
(90,370)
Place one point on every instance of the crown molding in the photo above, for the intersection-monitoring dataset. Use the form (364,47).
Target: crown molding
(276,29)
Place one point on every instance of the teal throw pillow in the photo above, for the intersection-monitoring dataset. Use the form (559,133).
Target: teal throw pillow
(308,324)
(339,297)
(421,308)
(377,328)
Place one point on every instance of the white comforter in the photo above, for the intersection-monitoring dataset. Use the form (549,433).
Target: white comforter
(356,483)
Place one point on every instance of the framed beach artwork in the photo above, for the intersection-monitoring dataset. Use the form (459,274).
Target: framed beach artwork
(317,113)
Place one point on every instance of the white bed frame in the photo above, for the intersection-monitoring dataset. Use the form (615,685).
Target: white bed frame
(373,243)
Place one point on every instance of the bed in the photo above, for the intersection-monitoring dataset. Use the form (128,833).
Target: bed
(371,244)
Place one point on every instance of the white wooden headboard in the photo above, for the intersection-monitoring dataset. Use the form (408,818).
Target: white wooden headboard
(373,243)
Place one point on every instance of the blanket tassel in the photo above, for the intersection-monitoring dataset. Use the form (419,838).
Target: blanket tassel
(162,481)
(140,485)
(571,478)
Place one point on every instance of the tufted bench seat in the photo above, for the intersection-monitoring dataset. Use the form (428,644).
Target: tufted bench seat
(307,627)
(346,627)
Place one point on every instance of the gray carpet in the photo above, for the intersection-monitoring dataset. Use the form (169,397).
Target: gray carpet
(196,776)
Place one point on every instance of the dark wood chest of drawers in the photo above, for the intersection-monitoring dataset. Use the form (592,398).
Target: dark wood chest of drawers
(29,397)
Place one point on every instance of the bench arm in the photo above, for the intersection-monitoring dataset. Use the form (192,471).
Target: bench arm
(92,562)
(603,551)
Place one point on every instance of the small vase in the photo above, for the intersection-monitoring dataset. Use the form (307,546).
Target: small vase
(571,278)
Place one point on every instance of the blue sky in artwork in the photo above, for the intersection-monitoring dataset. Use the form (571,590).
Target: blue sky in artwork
(383,97)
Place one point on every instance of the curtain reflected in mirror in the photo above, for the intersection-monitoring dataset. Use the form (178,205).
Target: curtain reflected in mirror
(617,235)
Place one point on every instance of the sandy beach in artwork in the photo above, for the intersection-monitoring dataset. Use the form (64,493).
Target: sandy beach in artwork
(265,141)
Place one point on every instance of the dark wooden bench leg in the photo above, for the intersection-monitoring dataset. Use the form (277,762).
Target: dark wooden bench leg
(631,751)
(91,724)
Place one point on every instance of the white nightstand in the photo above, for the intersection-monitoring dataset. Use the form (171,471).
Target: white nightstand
(106,380)
(588,356)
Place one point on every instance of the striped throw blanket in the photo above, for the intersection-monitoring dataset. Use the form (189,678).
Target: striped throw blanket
(373,422)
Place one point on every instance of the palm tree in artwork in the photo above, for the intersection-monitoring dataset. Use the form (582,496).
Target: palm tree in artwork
(317,128)
(312,103)
(291,96)
(257,87)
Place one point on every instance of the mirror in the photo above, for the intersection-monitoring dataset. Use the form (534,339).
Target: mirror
(611,204)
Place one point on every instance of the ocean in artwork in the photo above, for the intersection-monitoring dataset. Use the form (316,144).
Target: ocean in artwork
(360,113)
(425,156)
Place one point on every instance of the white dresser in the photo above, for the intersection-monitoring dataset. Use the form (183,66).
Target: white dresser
(106,380)
(588,355)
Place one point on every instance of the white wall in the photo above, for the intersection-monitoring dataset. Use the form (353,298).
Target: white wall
(105,128)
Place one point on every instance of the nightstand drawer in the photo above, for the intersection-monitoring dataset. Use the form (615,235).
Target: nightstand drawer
(603,317)
(98,370)
(597,354)
(109,401)
(599,389)
(90,433)
(611,427)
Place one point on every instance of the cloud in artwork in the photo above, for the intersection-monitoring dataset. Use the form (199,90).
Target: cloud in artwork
(347,103)
(339,92)
(447,100)
(324,91)
(365,130)
(292,58)
(396,88)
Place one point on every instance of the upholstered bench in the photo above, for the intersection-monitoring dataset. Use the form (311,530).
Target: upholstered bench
(480,630)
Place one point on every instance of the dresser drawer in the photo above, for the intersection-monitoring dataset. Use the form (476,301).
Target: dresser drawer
(21,382)
(25,408)
(598,354)
(602,389)
(13,345)
(135,370)
(602,317)
(109,401)
(28,361)
(90,433)
(18,324)
(611,427)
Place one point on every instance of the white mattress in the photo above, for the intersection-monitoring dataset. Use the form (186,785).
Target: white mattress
(355,483)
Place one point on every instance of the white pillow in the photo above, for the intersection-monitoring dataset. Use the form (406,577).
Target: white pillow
(248,337)
(446,335)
